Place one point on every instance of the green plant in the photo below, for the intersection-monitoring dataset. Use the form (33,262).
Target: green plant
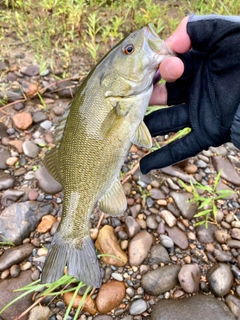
(6,241)
(207,203)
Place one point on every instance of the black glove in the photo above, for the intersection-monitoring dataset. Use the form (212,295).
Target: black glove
(207,95)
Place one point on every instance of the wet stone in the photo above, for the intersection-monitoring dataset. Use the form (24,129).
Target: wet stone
(6,181)
(160,280)
(4,155)
(221,236)
(188,209)
(196,307)
(32,70)
(220,279)
(46,182)
(30,149)
(151,222)
(19,219)
(39,313)
(189,278)
(11,196)
(156,194)
(168,217)
(132,227)
(39,116)
(166,241)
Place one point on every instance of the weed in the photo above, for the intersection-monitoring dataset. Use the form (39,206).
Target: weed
(208,202)
(6,241)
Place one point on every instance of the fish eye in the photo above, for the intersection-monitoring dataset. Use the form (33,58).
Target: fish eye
(128,49)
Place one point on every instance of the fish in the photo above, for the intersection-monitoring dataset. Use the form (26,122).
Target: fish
(92,141)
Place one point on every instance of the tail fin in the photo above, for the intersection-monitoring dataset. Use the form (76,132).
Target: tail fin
(82,263)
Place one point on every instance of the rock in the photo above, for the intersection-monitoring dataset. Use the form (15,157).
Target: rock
(228,171)
(222,256)
(235,233)
(102,317)
(234,304)
(178,237)
(66,89)
(89,304)
(138,248)
(137,307)
(30,89)
(46,182)
(19,219)
(161,279)
(39,313)
(32,70)
(132,227)
(188,209)
(11,196)
(17,144)
(156,194)
(175,172)
(15,255)
(158,254)
(6,181)
(221,236)
(7,295)
(168,217)
(206,235)
(22,120)
(196,307)
(220,279)
(191,168)
(3,130)
(110,296)
(135,210)
(46,223)
(30,149)
(151,222)
(107,243)
(39,116)
(233,243)
(46,125)
(166,241)
(189,277)
(4,155)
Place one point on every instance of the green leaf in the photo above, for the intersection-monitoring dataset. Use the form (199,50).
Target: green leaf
(202,213)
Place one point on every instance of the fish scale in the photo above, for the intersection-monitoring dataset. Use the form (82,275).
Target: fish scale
(92,141)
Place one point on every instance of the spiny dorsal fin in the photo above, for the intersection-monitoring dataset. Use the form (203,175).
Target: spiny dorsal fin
(142,137)
(114,201)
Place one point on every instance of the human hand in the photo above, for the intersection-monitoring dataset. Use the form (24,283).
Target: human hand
(206,93)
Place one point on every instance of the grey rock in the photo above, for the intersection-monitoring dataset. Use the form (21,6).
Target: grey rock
(188,209)
(46,124)
(189,277)
(220,279)
(31,71)
(223,186)
(228,171)
(103,317)
(206,235)
(168,217)
(221,150)
(132,227)
(156,194)
(135,210)
(20,219)
(178,237)
(233,243)
(4,155)
(30,149)
(39,116)
(235,233)
(160,280)
(197,307)
(138,248)
(6,181)
(11,96)
(234,304)
(66,89)
(46,182)
(11,196)
(151,222)
(137,307)
(15,255)
(175,172)
(158,254)
(221,236)
(222,256)
(7,294)
(166,241)
(3,130)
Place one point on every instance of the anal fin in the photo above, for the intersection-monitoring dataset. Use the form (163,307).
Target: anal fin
(142,137)
(114,201)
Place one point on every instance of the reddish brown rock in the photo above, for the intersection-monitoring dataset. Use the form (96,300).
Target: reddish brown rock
(107,243)
(46,224)
(110,296)
(88,305)
(22,120)
(17,144)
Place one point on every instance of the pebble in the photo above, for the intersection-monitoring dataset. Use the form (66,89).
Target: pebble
(158,254)
(39,116)
(19,219)
(206,235)
(46,224)
(228,171)
(189,278)
(46,182)
(107,243)
(110,296)
(89,304)
(137,307)
(235,233)
(46,125)
(178,237)
(117,276)
(15,270)
(220,279)
(135,210)
(168,217)
(22,120)
(30,149)
(11,196)
(161,279)
(188,209)
(191,168)
(221,236)
(6,181)
(39,313)
(4,155)
(195,307)
(138,248)
(15,255)
(234,304)
(151,222)
(166,241)
(156,194)
(233,243)
(32,70)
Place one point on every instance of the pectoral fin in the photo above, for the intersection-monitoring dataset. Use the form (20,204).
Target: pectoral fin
(142,136)
(114,201)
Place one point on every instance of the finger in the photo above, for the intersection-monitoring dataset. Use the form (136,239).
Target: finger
(167,120)
(180,41)
(171,69)
(170,154)
(159,95)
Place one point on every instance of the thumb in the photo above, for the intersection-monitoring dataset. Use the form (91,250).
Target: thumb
(180,41)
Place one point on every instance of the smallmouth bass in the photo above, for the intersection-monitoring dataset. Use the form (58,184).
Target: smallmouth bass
(92,141)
